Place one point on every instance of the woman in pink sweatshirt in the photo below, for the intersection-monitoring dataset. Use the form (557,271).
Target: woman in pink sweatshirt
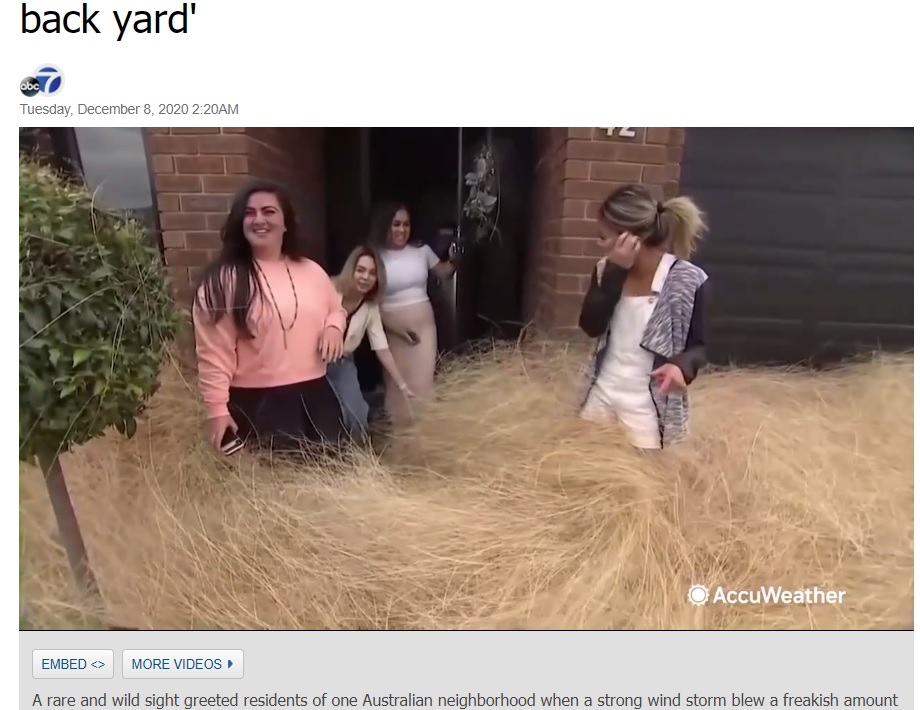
(267,320)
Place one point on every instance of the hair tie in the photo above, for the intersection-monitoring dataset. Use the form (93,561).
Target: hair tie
(660,207)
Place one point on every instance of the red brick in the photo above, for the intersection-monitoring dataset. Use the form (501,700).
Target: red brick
(178,275)
(188,257)
(178,183)
(670,189)
(575,246)
(199,164)
(577,169)
(222,184)
(157,130)
(593,208)
(573,208)
(616,172)
(167,203)
(206,240)
(223,144)
(162,164)
(173,145)
(678,136)
(237,164)
(204,203)
(566,283)
(181,221)
(675,154)
(581,133)
(174,240)
(648,154)
(600,134)
(184,294)
(195,131)
(589,190)
(233,129)
(660,173)
(586,228)
(576,265)
(566,308)
(592,150)
(658,135)
(216,221)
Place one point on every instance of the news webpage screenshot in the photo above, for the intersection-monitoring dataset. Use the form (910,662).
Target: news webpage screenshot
(348,318)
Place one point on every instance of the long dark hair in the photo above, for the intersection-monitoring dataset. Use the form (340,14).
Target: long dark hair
(382,220)
(234,267)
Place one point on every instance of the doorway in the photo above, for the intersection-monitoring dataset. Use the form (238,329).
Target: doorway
(423,168)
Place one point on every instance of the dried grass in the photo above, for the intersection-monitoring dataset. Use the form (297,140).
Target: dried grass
(500,510)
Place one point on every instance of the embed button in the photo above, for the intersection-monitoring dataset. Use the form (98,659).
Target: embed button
(182,664)
(73,664)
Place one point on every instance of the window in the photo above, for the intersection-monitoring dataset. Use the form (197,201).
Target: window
(114,163)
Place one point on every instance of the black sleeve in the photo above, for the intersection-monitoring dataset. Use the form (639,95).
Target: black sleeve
(693,358)
(601,300)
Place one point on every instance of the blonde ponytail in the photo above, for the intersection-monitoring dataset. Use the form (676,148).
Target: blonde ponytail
(683,225)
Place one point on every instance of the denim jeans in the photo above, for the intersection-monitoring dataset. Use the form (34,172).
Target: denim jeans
(343,376)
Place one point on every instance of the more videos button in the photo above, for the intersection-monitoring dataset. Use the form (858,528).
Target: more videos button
(155,663)
(69,663)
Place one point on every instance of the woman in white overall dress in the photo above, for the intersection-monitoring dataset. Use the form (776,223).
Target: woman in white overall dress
(646,305)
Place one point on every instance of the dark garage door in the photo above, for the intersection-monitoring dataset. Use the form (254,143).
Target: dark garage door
(811,244)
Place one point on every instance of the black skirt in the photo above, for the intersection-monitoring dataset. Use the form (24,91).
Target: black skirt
(290,418)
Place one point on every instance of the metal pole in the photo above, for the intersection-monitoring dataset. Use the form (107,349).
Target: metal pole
(68,527)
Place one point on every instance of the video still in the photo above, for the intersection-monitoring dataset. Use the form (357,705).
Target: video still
(466,378)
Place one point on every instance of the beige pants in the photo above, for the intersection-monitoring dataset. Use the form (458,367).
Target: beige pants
(415,362)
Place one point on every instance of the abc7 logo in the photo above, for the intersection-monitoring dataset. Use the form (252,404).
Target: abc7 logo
(47,80)
(30,86)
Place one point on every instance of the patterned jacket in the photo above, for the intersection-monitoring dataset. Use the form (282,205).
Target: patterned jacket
(675,332)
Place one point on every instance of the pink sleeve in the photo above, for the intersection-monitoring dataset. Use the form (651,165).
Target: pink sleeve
(215,345)
(430,257)
(337,314)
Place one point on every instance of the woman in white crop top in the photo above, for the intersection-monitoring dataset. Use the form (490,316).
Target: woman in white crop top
(405,308)
(361,284)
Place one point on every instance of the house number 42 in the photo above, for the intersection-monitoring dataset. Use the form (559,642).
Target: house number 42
(621,132)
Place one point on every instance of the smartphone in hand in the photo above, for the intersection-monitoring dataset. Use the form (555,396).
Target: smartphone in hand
(231,443)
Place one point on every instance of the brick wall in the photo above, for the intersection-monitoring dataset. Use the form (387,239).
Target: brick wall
(294,157)
(578,167)
(197,170)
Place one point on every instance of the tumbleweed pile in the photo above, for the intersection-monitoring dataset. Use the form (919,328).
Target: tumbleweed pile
(501,510)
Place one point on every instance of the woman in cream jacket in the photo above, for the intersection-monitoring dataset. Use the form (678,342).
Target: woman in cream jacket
(361,284)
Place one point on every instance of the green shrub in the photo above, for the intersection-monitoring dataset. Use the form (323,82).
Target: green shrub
(96,316)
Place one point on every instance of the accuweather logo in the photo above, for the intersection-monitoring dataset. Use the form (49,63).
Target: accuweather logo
(47,80)
(698,595)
